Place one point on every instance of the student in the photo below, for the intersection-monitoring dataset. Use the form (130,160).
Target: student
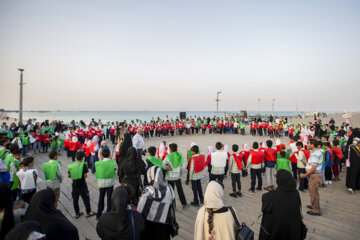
(196,172)
(189,156)
(174,164)
(45,141)
(255,163)
(78,172)
(53,143)
(152,160)
(13,169)
(235,167)
(218,163)
(313,169)
(105,177)
(214,220)
(282,162)
(26,143)
(74,146)
(17,140)
(301,159)
(337,159)
(27,179)
(328,163)
(270,162)
(38,138)
(53,174)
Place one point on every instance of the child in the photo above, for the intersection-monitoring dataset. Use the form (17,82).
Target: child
(218,163)
(13,169)
(27,179)
(301,164)
(74,146)
(105,176)
(196,169)
(235,167)
(53,143)
(189,156)
(174,164)
(17,141)
(46,141)
(38,138)
(282,162)
(53,174)
(78,172)
(270,162)
(337,159)
(26,143)
(328,163)
(152,160)
(255,163)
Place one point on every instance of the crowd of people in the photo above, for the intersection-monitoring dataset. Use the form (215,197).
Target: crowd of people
(143,206)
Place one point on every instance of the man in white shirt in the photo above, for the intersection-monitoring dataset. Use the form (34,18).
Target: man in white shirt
(138,141)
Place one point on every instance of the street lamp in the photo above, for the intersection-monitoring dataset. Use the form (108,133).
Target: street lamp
(21,95)
(217,103)
(259,99)
(273,106)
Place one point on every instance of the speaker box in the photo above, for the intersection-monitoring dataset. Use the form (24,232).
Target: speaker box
(182,115)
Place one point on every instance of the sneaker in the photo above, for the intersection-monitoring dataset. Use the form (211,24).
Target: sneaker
(350,190)
(185,206)
(252,191)
(312,213)
(309,207)
(233,195)
(194,204)
(239,194)
(326,182)
(330,182)
(201,202)
(259,189)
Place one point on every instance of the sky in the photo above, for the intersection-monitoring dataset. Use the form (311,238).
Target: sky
(176,55)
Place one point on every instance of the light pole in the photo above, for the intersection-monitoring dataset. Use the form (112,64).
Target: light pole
(21,95)
(296,105)
(217,103)
(273,106)
(259,99)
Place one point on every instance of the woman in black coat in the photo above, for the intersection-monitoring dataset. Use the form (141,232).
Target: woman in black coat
(282,218)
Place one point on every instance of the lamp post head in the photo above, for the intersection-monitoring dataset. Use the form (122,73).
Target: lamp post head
(21,69)
(218,92)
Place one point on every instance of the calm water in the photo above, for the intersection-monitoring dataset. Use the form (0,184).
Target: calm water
(124,115)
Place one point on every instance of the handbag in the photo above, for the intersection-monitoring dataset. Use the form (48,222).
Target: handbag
(173,225)
(244,232)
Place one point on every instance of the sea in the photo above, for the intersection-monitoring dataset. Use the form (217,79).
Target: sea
(113,116)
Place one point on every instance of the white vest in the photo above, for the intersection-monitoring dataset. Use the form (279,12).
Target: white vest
(218,159)
(27,178)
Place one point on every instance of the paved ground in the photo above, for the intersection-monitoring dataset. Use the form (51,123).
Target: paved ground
(340,211)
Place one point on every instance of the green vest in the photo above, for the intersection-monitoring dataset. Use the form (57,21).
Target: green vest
(9,134)
(105,169)
(155,161)
(76,170)
(242,126)
(2,153)
(16,179)
(287,155)
(25,140)
(9,158)
(60,142)
(50,169)
(53,144)
(282,163)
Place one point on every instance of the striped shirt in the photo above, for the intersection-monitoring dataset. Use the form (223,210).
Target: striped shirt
(233,167)
(315,159)
(58,178)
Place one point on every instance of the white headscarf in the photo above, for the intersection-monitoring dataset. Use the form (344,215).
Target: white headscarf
(192,144)
(277,141)
(162,149)
(74,139)
(246,147)
(211,149)
(213,198)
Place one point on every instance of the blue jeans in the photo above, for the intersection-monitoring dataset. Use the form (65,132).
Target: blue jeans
(24,150)
(5,177)
(36,145)
(93,160)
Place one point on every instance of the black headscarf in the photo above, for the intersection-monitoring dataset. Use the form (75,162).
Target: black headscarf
(23,230)
(355,133)
(6,204)
(117,223)
(125,145)
(53,223)
(282,210)
(285,181)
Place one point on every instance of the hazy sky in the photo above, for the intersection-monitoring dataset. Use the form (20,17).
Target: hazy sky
(176,54)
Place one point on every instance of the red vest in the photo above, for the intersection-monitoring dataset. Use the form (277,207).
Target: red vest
(199,163)
(256,157)
(270,154)
(238,161)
